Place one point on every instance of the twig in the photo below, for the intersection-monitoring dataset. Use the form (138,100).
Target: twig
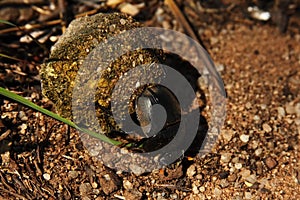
(5,183)
(27,75)
(183,21)
(13,194)
(62,11)
(30,26)
(50,23)
(10,57)
(21,2)
(38,170)
(4,135)
(41,10)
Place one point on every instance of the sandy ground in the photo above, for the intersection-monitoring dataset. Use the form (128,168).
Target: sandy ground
(258,151)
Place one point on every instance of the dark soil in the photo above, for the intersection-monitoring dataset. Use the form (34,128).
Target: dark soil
(258,152)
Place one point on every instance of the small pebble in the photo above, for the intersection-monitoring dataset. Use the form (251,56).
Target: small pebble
(5,157)
(258,152)
(165,24)
(214,40)
(85,188)
(22,116)
(267,128)
(245,173)
(217,192)
(202,189)
(281,112)
(248,105)
(270,162)
(174,196)
(251,179)
(122,21)
(191,171)
(159,11)
(199,177)
(46,176)
(232,177)
(107,177)
(254,144)
(248,195)
(235,159)
(224,183)
(238,165)
(290,109)
(256,118)
(23,128)
(195,189)
(263,106)
(127,185)
(94,185)
(73,174)
(244,138)
(225,157)
(227,135)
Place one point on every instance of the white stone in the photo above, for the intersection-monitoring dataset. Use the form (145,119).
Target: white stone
(256,118)
(225,157)
(244,138)
(258,152)
(195,189)
(238,165)
(46,176)
(202,189)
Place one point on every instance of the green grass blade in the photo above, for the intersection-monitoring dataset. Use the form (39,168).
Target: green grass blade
(28,103)
(10,57)
(6,22)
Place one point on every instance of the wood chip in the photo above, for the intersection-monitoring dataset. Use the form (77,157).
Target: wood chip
(114,3)
(4,135)
(129,9)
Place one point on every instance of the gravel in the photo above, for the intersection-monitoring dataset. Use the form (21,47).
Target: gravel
(256,156)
